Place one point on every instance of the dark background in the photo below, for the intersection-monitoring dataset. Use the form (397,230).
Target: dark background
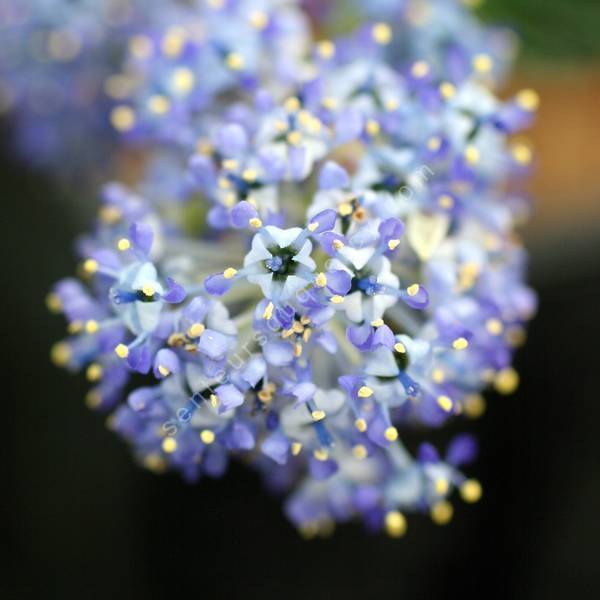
(81,516)
(81,520)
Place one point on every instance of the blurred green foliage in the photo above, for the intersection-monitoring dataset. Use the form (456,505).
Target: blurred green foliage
(550,29)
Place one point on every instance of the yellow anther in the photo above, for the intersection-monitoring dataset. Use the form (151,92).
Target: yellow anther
(515,336)
(292,104)
(204,146)
(373,128)
(345,209)
(361,425)
(250,175)
(313,227)
(92,326)
(281,126)
(447,90)
(122,351)
(140,46)
(224,183)
(159,104)
(382,33)
(229,273)
(296,448)
(420,69)
(400,348)
(321,454)
(214,401)
(294,138)
(391,434)
(528,100)
(93,399)
(329,103)
(90,266)
(169,445)
(446,201)
(441,512)
(413,290)
(359,215)
(338,244)
(506,381)
(230,199)
(207,436)
(74,326)
(259,19)
(438,376)
(255,222)
(148,290)
(445,403)
(155,463)
(482,63)
(377,323)
(326,49)
(268,313)
(393,244)
(470,490)
(336,299)
(122,118)
(321,280)
(441,486)
(522,154)
(460,343)
(395,524)
(123,244)
(173,42)
(230,164)
(472,155)
(109,214)
(163,371)
(434,143)
(318,415)
(60,354)
(391,104)
(494,326)
(94,372)
(360,452)
(298,350)
(183,80)
(235,61)
(53,302)
(365,392)
(474,406)
(196,330)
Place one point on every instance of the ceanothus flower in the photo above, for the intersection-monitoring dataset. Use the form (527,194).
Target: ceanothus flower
(319,255)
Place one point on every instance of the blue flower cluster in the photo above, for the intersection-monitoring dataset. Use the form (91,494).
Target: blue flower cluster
(319,256)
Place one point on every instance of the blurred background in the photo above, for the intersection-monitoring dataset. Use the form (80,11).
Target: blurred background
(81,518)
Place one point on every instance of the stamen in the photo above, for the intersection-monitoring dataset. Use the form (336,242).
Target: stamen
(361,425)
(445,403)
(123,244)
(365,392)
(268,313)
(395,524)
(196,330)
(207,436)
(169,445)
(391,434)
(460,343)
(122,351)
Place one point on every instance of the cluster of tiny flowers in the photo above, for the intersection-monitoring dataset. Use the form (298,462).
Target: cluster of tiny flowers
(319,257)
